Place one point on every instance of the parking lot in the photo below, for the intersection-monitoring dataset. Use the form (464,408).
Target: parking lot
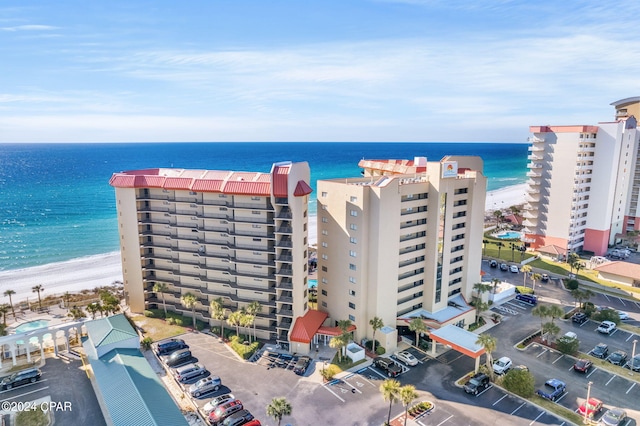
(62,382)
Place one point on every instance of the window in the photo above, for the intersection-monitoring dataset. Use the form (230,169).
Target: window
(353,227)
(461,191)
(325,220)
(255,198)
(352,318)
(353,199)
(325,232)
(352,266)
(352,253)
(256,226)
(324,194)
(324,281)
(353,240)
(324,292)
(325,257)
(353,213)
(255,212)
(324,304)
(324,207)
(352,280)
(352,305)
(324,244)
(352,292)
(324,269)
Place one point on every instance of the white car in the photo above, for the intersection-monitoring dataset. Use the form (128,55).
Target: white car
(607,327)
(217,401)
(514,269)
(406,358)
(502,365)
(623,315)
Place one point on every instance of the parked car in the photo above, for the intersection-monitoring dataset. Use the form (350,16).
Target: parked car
(591,407)
(504,267)
(570,335)
(189,372)
(20,378)
(582,365)
(527,298)
(502,365)
(552,390)
(613,417)
(178,358)
(203,386)
(493,264)
(302,365)
(606,327)
(579,318)
(169,346)
(388,366)
(217,401)
(239,418)
(254,422)
(545,278)
(225,410)
(618,358)
(475,384)
(633,364)
(514,269)
(600,351)
(406,358)
(623,316)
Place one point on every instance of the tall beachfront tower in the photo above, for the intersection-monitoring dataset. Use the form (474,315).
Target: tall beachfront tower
(584,183)
(241,236)
(402,242)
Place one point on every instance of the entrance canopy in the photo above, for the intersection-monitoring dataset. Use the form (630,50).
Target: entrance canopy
(458,339)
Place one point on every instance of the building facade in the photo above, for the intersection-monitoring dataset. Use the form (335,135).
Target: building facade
(239,236)
(584,183)
(402,242)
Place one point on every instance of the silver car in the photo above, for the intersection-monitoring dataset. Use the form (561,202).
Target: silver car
(190,371)
(202,386)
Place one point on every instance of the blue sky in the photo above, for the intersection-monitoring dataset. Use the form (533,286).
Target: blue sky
(343,70)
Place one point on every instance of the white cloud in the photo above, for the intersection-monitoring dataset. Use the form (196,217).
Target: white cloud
(29,28)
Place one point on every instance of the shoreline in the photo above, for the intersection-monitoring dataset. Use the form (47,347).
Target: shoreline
(86,273)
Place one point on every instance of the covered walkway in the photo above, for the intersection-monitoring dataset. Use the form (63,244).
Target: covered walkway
(460,340)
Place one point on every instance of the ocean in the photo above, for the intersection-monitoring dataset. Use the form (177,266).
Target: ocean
(56,203)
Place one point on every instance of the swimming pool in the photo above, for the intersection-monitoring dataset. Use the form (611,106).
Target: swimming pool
(32,325)
(313,283)
(509,235)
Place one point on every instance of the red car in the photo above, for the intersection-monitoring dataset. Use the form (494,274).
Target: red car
(254,422)
(593,407)
(582,365)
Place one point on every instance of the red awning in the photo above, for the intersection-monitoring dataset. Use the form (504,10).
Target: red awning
(307,326)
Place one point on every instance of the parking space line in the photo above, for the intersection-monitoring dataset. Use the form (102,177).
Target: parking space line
(637,304)
(614,332)
(629,390)
(542,353)
(503,397)
(379,374)
(630,336)
(612,377)
(605,295)
(622,301)
(558,359)
(563,395)
(592,371)
(534,420)
(365,379)
(570,368)
(326,386)
(26,393)
(521,405)
(586,322)
(353,388)
(445,420)
(486,389)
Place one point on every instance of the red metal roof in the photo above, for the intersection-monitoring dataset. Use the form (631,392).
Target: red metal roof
(207,185)
(334,331)
(280,180)
(178,183)
(307,326)
(302,189)
(247,188)
(393,166)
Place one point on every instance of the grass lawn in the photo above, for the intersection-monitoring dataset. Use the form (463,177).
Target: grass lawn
(157,328)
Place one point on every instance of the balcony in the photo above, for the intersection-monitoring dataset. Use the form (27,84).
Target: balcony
(284,243)
(533,174)
(533,165)
(285,313)
(534,157)
(287,272)
(533,182)
(534,148)
(284,230)
(535,139)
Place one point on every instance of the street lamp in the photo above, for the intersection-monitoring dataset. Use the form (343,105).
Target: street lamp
(586,404)
(633,351)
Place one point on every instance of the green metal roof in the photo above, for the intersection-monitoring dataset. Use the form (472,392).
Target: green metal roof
(131,390)
(110,330)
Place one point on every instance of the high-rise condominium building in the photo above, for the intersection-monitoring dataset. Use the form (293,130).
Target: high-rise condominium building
(238,236)
(402,242)
(584,183)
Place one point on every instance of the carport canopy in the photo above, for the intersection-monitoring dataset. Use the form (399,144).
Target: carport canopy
(458,339)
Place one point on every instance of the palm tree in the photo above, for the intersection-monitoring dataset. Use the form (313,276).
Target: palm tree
(551,329)
(579,266)
(67,298)
(495,283)
(93,309)
(417,326)
(499,216)
(572,259)
(484,246)
(189,301)
(489,343)
(525,270)
(555,311)
(338,342)
(4,310)
(234,320)
(375,323)
(390,389)
(10,293)
(37,289)
(480,307)
(406,395)
(218,312)
(278,408)
(161,288)
(499,244)
(246,320)
(253,309)
(535,277)
(481,288)
(541,311)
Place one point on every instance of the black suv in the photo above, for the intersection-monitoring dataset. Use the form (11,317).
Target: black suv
(170,346)
(391,368)
(21,378)
(301,365)
(477,383)
(579,317)
(179,358)
(600,351)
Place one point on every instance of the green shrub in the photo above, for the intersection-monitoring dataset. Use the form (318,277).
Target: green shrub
(572,284)
(329,372)
(146,343)
(245,351)
(524,290)
(380,350)
(519,382)
(149,314)
(567,345)
(606,315)
(171,320)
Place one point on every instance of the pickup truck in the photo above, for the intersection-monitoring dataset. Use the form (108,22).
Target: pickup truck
(552,390)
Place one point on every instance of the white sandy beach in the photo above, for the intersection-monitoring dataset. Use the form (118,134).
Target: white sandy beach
(102,270)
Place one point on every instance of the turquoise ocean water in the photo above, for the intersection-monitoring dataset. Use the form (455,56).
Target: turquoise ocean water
(56,203)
